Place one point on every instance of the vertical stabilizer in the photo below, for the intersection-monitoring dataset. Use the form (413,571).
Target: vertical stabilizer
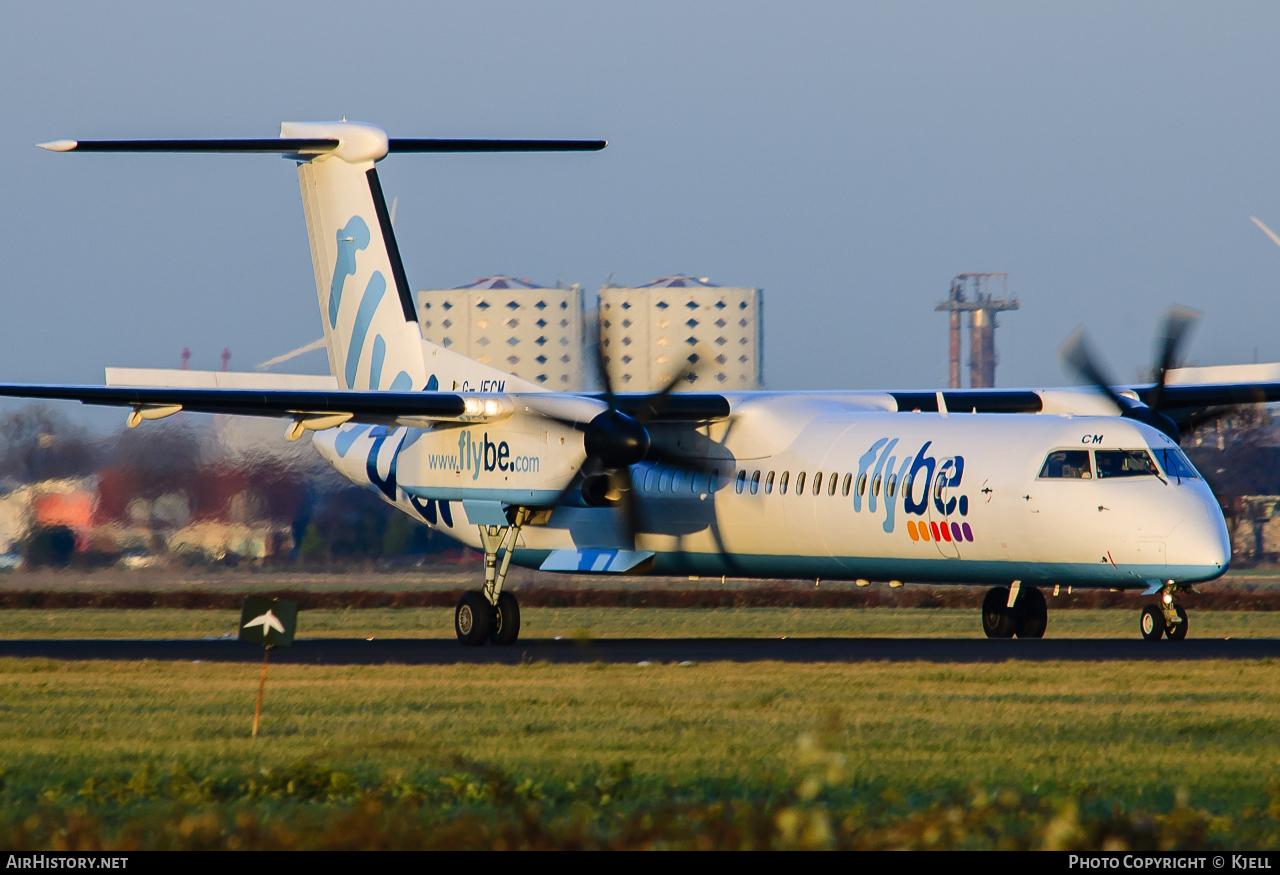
(370,324)
(367,309)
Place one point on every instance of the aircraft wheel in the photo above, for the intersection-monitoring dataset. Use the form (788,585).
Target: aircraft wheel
(1031,612)
(997,619)
(1152,623)
(506,620)
(472,619)
(1178,632)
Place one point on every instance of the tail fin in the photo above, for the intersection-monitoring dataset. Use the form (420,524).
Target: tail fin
(370,321)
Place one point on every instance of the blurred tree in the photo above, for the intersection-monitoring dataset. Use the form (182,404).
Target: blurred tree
(40,443)
(313,547)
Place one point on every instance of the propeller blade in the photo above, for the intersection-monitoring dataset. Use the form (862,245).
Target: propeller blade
(1177,321)
(1076,353)
(620,481)
(653,404)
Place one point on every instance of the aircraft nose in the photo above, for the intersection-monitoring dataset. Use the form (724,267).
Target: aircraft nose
(1202,544)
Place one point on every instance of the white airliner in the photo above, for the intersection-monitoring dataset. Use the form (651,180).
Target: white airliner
(1072,487)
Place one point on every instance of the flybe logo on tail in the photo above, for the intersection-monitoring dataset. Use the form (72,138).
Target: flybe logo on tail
(351,239)
(354,237)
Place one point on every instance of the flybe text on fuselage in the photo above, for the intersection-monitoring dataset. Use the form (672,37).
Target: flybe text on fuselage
(484,455)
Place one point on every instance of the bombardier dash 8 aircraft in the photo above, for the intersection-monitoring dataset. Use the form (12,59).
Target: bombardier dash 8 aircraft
(1077,487)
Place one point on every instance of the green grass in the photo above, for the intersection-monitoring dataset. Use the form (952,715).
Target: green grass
(619,623)
(717,755)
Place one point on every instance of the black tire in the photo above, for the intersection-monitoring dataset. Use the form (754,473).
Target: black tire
(1031,612)
(506,621)
(997,618)
(472,619)
(1178,632)
(1152,623)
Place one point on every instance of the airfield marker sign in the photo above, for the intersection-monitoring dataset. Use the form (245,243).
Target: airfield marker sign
(271,623)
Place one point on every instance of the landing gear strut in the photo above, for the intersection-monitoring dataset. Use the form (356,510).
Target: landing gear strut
(1166,618)
(491,614)
(1016,610)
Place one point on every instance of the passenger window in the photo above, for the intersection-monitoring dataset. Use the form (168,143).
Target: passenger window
(831,487)
(817,483)
(862,484)
(782,484)
(1176,465)
(695,482)
(848,482)
(875,486)
(664,480)
(713,481)
(938,485)
(755,482)
(1067,465)
(768,483)
(1124,463)
(891,486)
(800,483)
(677,479)
(741,481)
(651,480)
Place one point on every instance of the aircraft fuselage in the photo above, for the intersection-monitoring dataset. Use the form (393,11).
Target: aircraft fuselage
(798,487)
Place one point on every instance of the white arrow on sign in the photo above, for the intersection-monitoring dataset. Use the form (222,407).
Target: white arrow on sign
(266,621)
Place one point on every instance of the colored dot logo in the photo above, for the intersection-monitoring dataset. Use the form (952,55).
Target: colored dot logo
(950,532)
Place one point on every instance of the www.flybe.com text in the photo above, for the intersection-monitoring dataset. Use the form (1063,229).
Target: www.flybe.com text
(481,455)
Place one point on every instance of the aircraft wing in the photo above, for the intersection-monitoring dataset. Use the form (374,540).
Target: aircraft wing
(377,407)
(323,408)
(1188,404)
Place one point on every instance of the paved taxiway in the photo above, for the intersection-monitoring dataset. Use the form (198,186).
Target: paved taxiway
(417,651)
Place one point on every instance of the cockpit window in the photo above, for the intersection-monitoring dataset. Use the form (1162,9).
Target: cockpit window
(1176,465)
(1067,465)
(1124,463)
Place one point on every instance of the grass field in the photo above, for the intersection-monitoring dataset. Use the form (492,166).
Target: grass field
(619,623)
(1138,755)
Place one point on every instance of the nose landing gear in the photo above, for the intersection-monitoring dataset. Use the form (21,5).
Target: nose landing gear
(1167,619)
(1017,610)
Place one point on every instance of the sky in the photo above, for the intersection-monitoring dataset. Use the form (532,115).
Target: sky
(847,158)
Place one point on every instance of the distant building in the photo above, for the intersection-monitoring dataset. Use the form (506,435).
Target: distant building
(511,324)
(650,332)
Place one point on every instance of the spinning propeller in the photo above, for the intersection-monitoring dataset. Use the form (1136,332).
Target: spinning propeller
(1076,352)
(614,442)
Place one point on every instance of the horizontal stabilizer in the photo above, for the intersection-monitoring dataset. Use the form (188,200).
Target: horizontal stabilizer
(319,146)
(402,144)
(264,145)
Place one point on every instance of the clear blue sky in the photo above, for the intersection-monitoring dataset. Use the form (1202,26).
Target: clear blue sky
(848,158)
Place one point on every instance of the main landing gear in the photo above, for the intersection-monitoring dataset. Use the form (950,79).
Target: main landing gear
(491,614)
(1015,610)
(1166,619)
